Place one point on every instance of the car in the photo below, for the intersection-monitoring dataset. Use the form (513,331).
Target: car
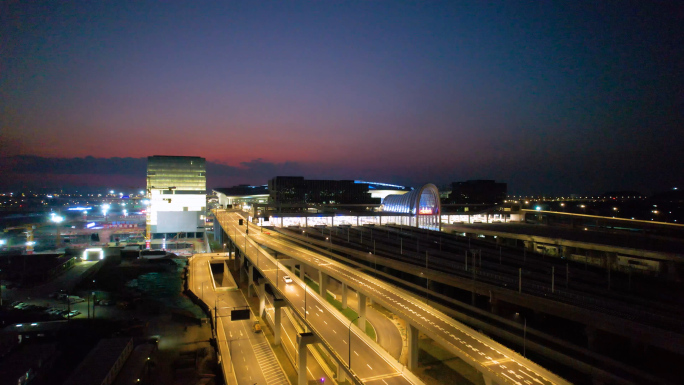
(287,279)
(256,327)
(15,303)
(105,302)
(21,305)
(71,314)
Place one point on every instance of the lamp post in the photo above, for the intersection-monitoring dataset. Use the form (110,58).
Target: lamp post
(350,324)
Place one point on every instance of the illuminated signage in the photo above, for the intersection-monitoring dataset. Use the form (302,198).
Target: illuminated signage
(425,211)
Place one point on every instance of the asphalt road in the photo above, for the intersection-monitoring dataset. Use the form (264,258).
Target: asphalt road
(496,361)
(252,358)
(366,361)
(240,338)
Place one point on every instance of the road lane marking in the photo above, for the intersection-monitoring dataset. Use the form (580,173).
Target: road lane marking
(382,292)
(368,365)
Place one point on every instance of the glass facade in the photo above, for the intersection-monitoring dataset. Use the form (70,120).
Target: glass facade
(184,174)
(422,204)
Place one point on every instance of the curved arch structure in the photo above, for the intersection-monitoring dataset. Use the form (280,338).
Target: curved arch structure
(422,205)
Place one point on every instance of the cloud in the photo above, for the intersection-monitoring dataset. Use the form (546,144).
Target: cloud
(28,164)
(33,172)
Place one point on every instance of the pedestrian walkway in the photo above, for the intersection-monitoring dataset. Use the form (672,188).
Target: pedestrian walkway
(269,364)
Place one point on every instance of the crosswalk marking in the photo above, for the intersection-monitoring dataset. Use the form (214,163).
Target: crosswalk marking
(269,365)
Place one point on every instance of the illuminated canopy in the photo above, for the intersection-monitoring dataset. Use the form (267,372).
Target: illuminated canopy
(423,201)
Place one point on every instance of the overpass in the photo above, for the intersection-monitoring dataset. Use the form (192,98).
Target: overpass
(498,364)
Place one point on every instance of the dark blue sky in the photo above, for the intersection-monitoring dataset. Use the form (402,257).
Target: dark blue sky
(551,97)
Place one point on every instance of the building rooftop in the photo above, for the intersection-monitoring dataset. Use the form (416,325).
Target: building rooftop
(243,190)
(135,364)
(99,362)
(27,358)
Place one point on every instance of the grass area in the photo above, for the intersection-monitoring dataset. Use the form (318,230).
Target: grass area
(348,312)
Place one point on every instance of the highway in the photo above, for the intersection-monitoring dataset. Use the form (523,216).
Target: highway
(251,363)
(249,352)
(289,330)
(499,267)
(494,360)
(367,362)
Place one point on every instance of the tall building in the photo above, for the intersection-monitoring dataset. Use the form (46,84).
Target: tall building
(296,189)
(176,188)
(478,192)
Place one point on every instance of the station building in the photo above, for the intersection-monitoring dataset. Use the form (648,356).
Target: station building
(297,190)
(241,194)
(392,205)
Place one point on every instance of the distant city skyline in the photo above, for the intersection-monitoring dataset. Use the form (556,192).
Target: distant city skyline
(123,174)
(550,97)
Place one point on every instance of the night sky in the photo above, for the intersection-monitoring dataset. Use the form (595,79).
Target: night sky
(550,97)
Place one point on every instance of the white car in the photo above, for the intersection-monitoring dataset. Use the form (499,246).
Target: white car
(287,279)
